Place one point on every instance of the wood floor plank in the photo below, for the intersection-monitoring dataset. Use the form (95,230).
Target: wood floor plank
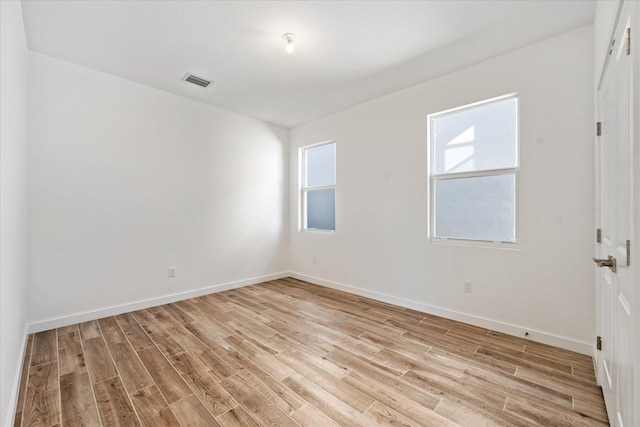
(179,315)
(485,341)
(364,364)
(17,421)
(210,323)
(383,380)
(339,411)
(78,404)
(133,373)
(503,340)
(70,354)
(185,306)
(42,400)
(443,342)
(23,378)
(111,331)
(453,324)
(114,405)
(206,387)
(315,359)
(455,389)
(415,408)
(134,333)
(399,344)
(89,330)
(511,385)
(240,320)
(152,409)
(558,354)
(385,416)
(214,301)
(142,317)
(591,408)
(278,393)
(303,336)
(237,417)
(255,402)
(470,416)
(215,343)
(190,412)
(98,360)
(481,361)
(587,374)
(525,359)
(563,383)
(249,347)
(290,353)
(45,348)
(168,323)
(216,366)
(343,391)
(241,301)
(542,416)
(171,385)
(67,329)
(161,338)
(309,415)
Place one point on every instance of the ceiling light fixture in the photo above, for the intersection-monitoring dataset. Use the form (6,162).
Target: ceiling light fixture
(289,38)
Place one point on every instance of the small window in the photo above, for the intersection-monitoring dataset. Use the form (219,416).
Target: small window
(318,194)
(474,166)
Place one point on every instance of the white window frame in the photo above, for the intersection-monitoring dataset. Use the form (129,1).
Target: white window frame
(304,189)
(433,178)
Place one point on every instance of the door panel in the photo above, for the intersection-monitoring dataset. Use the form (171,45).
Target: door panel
(605,278)
(617,293)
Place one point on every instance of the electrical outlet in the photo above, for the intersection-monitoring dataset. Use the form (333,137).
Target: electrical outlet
(467,286)
(172,272)
(314,260)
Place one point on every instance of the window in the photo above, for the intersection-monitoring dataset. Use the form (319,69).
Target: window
(473,172)
(318,194)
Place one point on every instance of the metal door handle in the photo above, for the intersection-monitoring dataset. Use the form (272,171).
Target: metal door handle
(606,262)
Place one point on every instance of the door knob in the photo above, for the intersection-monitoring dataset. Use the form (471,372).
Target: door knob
(606,262)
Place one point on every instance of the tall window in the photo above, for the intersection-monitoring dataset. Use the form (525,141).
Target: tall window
(319,187)
(473,172)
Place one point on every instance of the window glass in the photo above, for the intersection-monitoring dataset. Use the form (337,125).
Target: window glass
(477,208)
(477,138)
(321,209)
(321,165)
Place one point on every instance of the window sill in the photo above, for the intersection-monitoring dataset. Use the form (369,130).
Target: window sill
(475,243)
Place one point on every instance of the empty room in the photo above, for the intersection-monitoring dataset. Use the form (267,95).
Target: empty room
(319,213)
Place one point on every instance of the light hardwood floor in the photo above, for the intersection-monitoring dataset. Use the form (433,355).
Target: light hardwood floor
(289,353)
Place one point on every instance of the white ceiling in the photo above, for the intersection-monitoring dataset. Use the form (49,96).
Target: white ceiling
(347,52)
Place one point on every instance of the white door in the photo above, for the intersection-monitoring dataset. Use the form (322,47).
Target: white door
(616,293)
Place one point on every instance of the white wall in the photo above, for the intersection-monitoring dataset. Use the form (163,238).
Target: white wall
(14,72)
(381,247)
(127,181)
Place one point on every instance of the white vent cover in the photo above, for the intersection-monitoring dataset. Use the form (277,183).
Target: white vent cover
(196,80)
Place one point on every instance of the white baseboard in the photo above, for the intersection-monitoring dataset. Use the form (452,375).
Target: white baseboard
(71,319)
(15,389)
(507,328)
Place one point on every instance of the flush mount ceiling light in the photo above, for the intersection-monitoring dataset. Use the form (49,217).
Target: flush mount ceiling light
(289,38)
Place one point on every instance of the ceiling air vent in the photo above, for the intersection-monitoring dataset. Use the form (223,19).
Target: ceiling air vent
(196,80)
